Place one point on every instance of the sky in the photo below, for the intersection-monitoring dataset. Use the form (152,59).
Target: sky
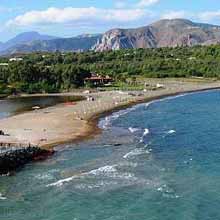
(68,18)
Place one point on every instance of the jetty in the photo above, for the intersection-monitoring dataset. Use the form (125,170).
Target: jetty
(12,158)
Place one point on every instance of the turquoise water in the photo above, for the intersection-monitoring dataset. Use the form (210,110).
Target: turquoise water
(158,161)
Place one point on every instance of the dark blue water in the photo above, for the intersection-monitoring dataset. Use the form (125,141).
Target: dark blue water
(152,162)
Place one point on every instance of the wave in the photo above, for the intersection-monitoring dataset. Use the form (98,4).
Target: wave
(133,130)
(103,170)
(2,197)
(107,178)
(171,132)
(163,99)
(107,121)
(148,104)
(128,164)
(110,171)
(146,131)
(97,185)
(136,152)
(45,176)
(62,181)
(167,192)
(188,161)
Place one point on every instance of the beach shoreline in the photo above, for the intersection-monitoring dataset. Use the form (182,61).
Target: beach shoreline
(96,118)
(62,124)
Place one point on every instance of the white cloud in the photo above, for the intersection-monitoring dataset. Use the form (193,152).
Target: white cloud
(174,14)
(71,15)
(203,16)
(209,15)
(146,3)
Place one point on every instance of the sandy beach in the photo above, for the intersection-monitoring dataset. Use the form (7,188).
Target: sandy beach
(74,121)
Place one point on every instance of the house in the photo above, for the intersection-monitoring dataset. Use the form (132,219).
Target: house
(160,86)
(15,59)
(98,80)
(3,64)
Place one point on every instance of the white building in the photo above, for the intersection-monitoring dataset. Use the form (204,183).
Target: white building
(15,59)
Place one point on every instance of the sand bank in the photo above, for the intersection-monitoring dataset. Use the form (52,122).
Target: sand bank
(71,122)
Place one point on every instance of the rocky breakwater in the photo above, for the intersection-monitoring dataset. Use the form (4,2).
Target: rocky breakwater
(13,159)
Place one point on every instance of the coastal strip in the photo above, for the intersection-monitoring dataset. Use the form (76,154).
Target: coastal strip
(69,122)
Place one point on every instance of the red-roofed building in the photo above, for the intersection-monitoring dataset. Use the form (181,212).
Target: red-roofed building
(98,80)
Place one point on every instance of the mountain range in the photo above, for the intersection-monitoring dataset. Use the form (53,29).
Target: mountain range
(163,33)
(23,39)
(79,43)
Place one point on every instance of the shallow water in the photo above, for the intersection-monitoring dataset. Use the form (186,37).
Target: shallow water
(155,162)
(13,106)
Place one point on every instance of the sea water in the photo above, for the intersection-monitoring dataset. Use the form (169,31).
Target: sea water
(157,161)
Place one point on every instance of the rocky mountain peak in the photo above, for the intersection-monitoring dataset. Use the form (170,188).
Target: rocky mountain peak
(163,33)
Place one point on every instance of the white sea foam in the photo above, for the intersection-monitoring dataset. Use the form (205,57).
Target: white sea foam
(171,196)
(146,131)
(129,164)
(141,140)
(171,132)
(164,99)
(103,170)
(122,180)
(97,185)
(188,161)
(136,152)
(133,130)
(2,197)
(105,123)
(61,182)
(111,172)
(167,192)
(148,104)
(163,188)
(44,176)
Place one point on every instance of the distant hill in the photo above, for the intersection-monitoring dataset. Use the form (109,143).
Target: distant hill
(24,38)
(163,33)
(79,43)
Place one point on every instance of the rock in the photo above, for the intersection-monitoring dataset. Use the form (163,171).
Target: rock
(14,159)
(117,145)
(164,33)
